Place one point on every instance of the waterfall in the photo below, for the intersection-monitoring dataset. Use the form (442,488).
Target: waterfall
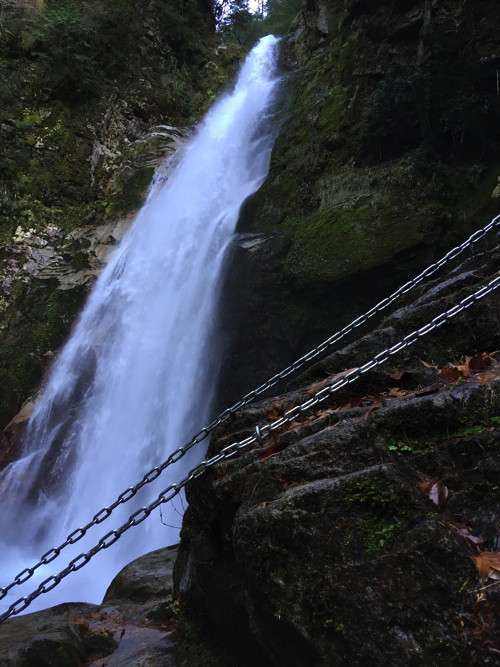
(137,378)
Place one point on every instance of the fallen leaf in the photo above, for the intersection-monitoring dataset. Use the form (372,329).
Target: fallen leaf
(316,387)
(82,625)
(397,392)
(436,491)
(480,362)
(367,414)
(398,375)
(450,374)
(488,565)
(273,413)
(489,376)
(434,388)
(273,449)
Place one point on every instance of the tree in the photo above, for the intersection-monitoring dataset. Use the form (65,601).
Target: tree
(236,23)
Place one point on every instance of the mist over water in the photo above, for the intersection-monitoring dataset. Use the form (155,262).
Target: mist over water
(137,378)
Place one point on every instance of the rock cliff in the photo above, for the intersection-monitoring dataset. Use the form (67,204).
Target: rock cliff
(367,532)
(355,535)
(387,156)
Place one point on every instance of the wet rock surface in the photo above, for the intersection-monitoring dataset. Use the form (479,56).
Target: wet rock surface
(324,546)
(369,181)
(133,627)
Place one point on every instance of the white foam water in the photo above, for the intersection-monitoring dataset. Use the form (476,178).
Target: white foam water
(137,378)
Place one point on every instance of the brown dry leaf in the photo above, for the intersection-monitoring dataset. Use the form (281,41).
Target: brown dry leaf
(460,366)
(397,392)
(273,412)
(367,414)
(435,388)
(480,362)
(489,376)
(273,449)
(488,565)
(450,374)
(398,375)
(316,387)
(472,544)
(82,625)
(347,403)
(105,631)
(295,426)
(426,364)
(436,491)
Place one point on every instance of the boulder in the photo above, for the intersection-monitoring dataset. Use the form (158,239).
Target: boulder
(133,627)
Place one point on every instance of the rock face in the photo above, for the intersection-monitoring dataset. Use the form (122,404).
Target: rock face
(387,156)
(133,627)
(350,537)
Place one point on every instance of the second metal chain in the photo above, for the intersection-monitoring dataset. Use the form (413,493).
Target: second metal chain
(173,489)
(153,474)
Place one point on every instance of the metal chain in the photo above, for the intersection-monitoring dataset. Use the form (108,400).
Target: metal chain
(173,489)
(153,474)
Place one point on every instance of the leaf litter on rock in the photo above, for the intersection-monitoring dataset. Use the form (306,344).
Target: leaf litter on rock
(487,562)
(436,491)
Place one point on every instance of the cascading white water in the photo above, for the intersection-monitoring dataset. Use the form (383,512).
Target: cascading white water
(137,378)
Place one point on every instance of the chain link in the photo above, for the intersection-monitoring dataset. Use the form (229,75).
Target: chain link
(171,491)
(153,474)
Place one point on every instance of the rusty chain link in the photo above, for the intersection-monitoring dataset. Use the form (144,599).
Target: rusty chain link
(153,474)
(173,489)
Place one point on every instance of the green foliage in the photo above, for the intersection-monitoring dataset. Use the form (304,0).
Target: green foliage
(431,104)
(76,45)
(469,430)
(239,25)
(391,108)
(279,15)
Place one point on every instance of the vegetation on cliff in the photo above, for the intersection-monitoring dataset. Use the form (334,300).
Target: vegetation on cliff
(82,87)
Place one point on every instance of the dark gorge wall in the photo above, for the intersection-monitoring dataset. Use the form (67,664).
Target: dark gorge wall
(386,158)
(361,534)
(323,546)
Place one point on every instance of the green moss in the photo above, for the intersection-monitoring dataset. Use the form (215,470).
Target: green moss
(366,492)
(38,320)
(80,261)
(346,57)
(345,239)
(331,114)
(162,614)
(378,510)
(132,193)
